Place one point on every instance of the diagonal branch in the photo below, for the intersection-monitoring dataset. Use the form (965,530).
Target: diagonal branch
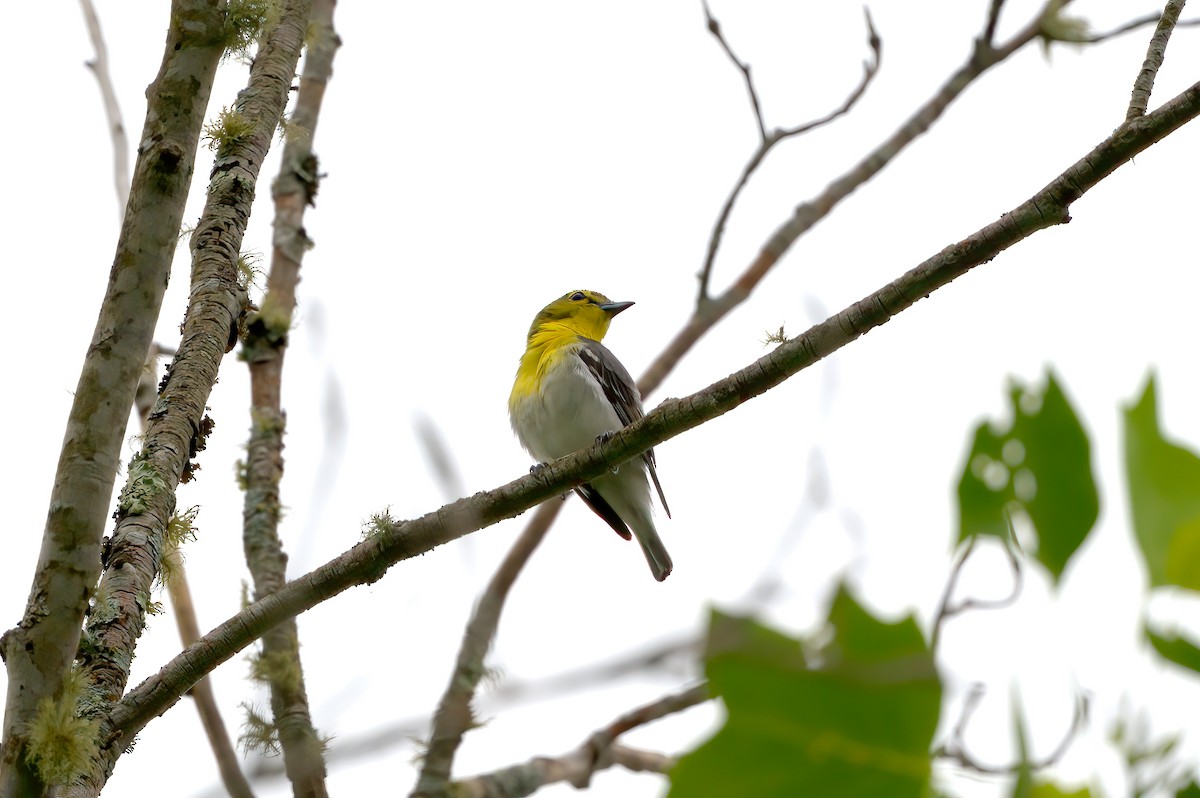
(454,716)
(175,579)
(264,347)
(392,541)
(598,752)
(1155,53)
(767,141)
(708,313)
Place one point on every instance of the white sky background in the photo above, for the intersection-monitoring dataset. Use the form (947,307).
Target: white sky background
(483,159)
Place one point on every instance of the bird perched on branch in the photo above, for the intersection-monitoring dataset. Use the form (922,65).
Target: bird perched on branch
(570,391)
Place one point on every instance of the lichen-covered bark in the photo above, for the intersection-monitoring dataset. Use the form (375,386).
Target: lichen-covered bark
(265,345)
(41,648)
(177,424)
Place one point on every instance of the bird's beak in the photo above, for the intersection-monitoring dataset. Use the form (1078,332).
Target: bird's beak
(613,308)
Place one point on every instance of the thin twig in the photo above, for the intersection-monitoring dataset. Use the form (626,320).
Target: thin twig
(946,610)
(391,541)
(1132,25)
(954,750)
(768,140)
(598,752)
(669,656)
(993,18)
(184,608)
(454,717)
(1155,52)
(714,28)
(708,313)
(602,739)
(112,109)
(202,693)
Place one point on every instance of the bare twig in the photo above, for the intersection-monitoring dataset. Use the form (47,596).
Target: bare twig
(454,716)
(708,313)
(989,29)
(954,750)
(1132,25)
(714,28)
(264,348)
(1155,52)
(768,140)
(202,692)
(528,778)
(391,541)
(946,610)
(669,656)
(602,740)
(184,608)
(112,110)
(597,753)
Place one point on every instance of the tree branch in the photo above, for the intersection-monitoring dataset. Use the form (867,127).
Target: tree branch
(41,649)
(598,752)
(178,427)
(264,347)
(1157,50)
(454,716)
(955,748)
(706,315)
(184,608)
(391,541)
(768,140)
(112,110)
(946,610)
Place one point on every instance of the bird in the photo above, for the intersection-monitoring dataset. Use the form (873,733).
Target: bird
(570,391)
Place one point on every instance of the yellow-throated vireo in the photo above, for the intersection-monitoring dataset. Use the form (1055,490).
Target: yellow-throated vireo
(570,390)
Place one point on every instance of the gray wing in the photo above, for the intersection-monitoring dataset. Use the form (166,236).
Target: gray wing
(622,392)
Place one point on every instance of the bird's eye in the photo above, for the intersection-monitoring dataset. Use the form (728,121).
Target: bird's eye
(578,296)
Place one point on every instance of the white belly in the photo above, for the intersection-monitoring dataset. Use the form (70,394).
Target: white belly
(568,414)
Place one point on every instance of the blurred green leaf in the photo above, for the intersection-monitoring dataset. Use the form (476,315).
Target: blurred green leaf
(1192,790)
(855,716)
(1164,493)
(1046,789)
(1041,465)
(1177,649)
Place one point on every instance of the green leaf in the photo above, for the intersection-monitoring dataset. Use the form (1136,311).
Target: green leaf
(1192,790)
(1164,494)
(1177,649)
(1048,789)
(1041,466)
(853,717)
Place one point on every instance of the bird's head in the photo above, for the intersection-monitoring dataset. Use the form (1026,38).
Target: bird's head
(585,313)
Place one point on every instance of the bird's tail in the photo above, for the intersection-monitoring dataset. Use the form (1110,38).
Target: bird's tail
(653,548)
